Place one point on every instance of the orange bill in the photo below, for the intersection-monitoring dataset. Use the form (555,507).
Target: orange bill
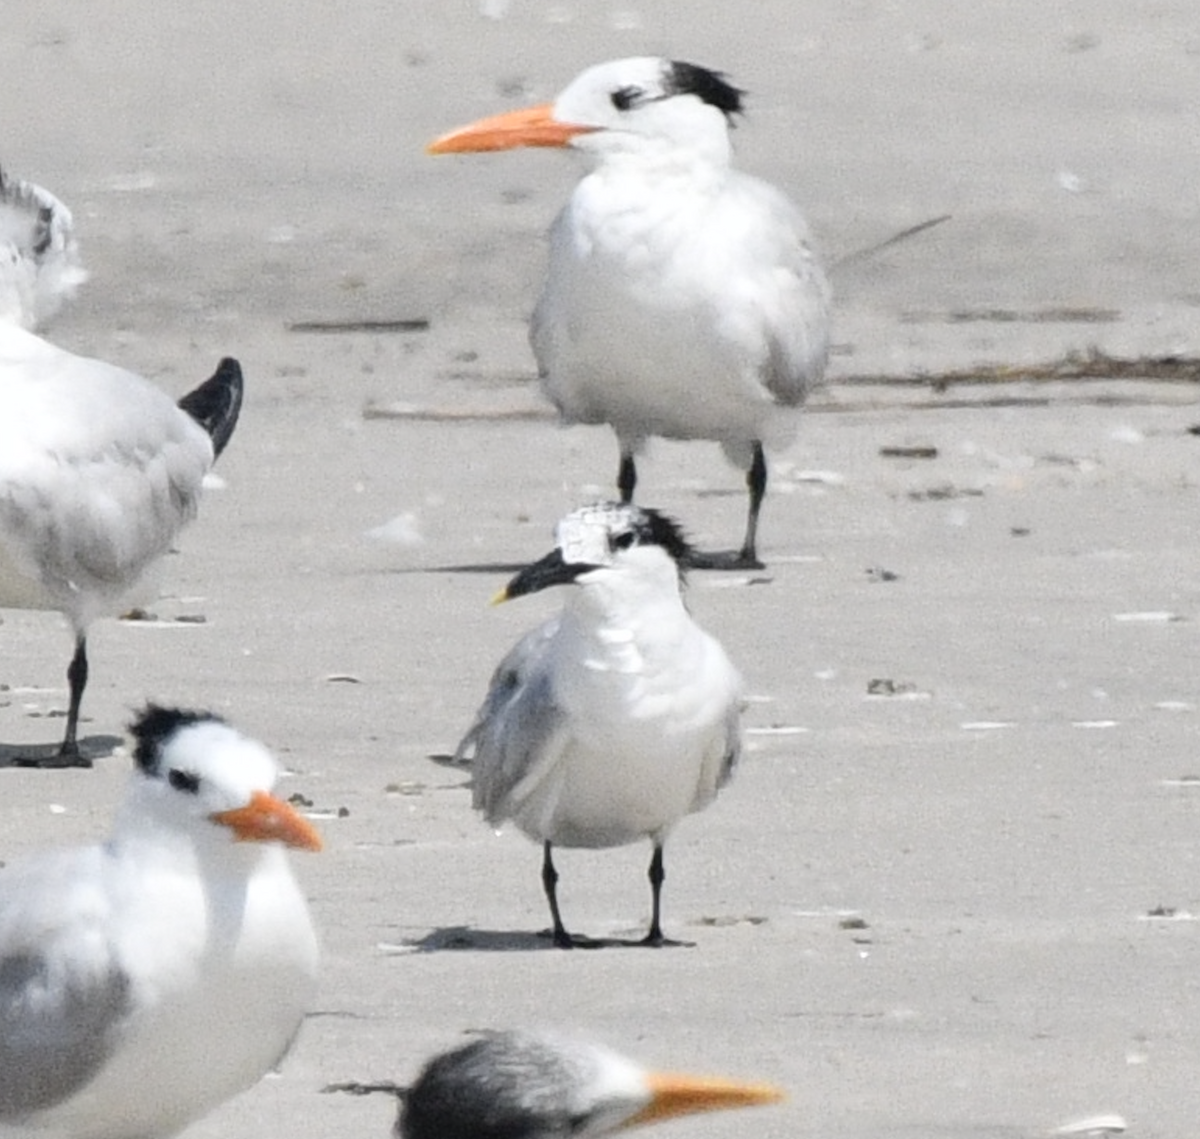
(675,1094)
(267,819)
(533,126)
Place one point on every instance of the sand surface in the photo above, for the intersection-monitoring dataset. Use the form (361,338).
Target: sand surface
(953,890)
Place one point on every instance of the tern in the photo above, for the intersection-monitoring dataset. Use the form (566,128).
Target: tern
(539,1085)
(145,980)
(683,298)
(614,719)
(99,469)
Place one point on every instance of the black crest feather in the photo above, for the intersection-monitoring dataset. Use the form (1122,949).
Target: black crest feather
(709,86)
(154,725)
(657,529)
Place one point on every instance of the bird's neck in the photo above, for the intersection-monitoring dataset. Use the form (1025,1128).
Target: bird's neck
(16,299)
(701,166)
(200,847)
(638,617)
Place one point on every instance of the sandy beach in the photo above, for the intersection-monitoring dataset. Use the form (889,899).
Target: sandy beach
(953,890)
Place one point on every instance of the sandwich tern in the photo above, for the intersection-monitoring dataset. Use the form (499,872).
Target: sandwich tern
(614,719)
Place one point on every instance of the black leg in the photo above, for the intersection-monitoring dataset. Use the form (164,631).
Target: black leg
(627,476)
(550,883)
(657,875)
(756,484)
(67,754)
(77,678)
(747,557)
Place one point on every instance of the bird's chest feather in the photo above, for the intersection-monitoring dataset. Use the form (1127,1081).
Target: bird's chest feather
(220,973)
(635,685)
(643,712)
(631,244)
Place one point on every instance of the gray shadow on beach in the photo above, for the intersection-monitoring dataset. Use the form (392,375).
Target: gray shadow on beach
(38,755)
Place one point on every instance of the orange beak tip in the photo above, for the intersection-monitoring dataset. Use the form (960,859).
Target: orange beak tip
(675,1094)
(267,819)
(533,126)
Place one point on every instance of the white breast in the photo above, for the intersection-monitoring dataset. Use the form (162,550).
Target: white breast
(681,309)
(221,975)
(647,720)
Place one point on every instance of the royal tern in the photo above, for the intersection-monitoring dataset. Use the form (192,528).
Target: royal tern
(527,1085)
(99,469)
(611,721)
(683,298)
(145,980)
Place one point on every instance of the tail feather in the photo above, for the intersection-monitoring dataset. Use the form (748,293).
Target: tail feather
(217,402)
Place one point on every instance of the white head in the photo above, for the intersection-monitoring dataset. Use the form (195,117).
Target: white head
(40,266)
(642,106)
(198,776)
(609,543)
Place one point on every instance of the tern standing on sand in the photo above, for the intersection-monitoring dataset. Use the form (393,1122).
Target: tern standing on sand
(99,469)
(610,722)
(683,298)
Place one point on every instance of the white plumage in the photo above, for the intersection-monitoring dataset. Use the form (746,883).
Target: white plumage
(613,720)
(40,267)
(146,980)
(99,469)
(683,298)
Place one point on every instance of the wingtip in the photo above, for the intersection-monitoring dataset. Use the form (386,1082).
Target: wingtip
(217,403)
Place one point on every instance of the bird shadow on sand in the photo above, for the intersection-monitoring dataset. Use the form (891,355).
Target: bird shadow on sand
(447,759)
(459,937)
(465,937)
(91,748)
(508,568)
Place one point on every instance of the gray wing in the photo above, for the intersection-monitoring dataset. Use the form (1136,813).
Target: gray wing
(731,749)
(63,995)
(99,470)
(790,290)
(724,747)
(518,729)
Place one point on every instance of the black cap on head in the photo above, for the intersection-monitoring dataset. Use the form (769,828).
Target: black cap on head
(709,86)
(155,725)
(654,528)
(505,1085)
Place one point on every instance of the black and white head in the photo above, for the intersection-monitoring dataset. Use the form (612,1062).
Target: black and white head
(644,104)
(608,541)
(197,774)
(526,1085)
(648,102)
(40,267)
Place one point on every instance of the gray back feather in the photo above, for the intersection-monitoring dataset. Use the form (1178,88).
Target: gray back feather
(55,1030)
(517,719)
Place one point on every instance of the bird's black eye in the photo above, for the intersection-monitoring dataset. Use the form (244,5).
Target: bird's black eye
(622,541)
(183,781)
(625,97)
